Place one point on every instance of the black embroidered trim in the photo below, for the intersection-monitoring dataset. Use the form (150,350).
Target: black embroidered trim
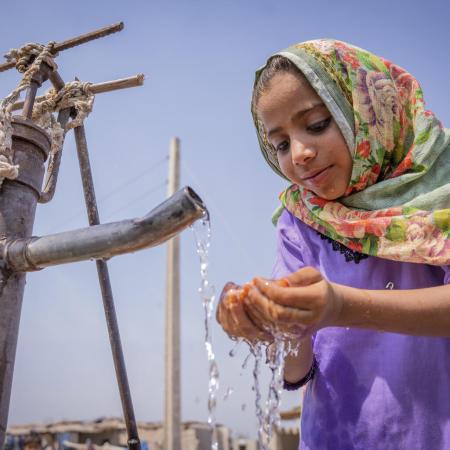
(288,386)
(350,255)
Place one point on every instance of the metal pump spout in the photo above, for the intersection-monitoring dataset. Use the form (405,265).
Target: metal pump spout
(105,240)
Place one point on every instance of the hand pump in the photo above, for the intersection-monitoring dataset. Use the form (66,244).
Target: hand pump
(25,145)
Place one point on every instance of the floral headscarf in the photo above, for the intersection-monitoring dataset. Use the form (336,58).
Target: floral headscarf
(397,204)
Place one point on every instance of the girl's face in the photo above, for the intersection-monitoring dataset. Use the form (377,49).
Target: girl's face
(310,148)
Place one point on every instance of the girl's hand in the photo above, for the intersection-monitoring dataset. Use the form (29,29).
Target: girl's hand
(231,314)
(308,302)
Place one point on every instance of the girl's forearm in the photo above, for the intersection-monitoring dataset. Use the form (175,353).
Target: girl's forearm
(421,312)
(296,367)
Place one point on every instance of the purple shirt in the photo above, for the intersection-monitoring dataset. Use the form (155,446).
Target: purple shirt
(372,390)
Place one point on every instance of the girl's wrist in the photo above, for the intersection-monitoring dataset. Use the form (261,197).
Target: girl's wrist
(347,304)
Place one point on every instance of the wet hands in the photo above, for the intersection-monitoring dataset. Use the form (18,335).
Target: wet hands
(308,302)
(297,306)
(232,315)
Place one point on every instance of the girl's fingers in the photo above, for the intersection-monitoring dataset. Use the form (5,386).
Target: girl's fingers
(230,285)
(234,320)
(271,313)
(249,328)
(304,277)
(293,297)
(256,317)
(223,300)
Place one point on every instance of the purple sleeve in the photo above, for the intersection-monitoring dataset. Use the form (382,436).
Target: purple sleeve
(289,247)
(446,274)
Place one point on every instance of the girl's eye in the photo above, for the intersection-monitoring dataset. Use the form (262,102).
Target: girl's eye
(318,127)
(282,146)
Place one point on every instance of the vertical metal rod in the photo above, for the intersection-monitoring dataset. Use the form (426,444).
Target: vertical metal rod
(172,413)
(29,99)
(108,301)
(56,80)
(45,71)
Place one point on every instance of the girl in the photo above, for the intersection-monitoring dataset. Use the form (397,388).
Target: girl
(363,247)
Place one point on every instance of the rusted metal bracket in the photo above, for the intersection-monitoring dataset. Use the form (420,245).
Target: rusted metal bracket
(63,117)
(74,42)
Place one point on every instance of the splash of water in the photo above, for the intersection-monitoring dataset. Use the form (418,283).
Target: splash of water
(202,233)
(269,416)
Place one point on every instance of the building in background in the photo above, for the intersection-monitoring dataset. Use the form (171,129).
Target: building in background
(110,434)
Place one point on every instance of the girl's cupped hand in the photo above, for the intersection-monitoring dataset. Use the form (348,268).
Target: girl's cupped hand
(298,305)
(232,315)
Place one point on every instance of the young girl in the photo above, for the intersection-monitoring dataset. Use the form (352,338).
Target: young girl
(363,247)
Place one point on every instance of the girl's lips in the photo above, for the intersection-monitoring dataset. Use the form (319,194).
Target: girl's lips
(320,176)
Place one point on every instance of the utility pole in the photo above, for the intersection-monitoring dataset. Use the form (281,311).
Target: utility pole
(172,421)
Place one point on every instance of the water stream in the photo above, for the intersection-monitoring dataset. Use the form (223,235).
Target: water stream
(267,412)
(202,233)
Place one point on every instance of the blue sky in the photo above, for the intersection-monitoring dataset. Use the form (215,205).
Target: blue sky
(199,59)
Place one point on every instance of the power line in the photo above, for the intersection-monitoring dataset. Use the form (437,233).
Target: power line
(137,199)
(217,213)
(114,191)
(133,179)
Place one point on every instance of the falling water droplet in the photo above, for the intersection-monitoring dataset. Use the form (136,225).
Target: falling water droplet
(234,350)
(228,392)
(246,360)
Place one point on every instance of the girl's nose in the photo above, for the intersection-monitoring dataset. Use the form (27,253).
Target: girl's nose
(301,153)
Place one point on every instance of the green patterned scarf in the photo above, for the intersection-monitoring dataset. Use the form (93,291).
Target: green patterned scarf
(397,205)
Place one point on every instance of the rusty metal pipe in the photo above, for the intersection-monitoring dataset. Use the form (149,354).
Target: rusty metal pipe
(106,240)
(98,88)
(70,43)
(18,201)
(30,98)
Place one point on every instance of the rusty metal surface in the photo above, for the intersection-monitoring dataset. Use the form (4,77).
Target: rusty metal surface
(97,88)
(26,130)
(91,36)
(73,42)
(29,99)
(31,146)
(36,82)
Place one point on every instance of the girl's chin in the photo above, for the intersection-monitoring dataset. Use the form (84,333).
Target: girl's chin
(330,194)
